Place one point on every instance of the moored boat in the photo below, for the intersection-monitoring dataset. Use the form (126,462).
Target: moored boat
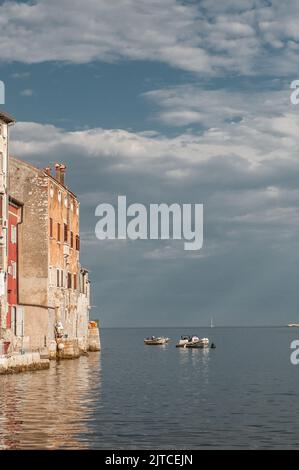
(156,340)
(187,341)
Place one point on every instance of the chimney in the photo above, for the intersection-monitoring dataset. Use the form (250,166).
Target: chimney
(57,171)
(62,174)
(48,170)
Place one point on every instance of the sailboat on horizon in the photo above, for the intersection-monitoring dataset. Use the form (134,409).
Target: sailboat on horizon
(212,324)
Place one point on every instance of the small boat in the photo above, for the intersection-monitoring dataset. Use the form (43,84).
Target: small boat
(192,342)
(155,340)
(293,325)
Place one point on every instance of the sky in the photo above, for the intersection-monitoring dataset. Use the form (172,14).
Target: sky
(174,102)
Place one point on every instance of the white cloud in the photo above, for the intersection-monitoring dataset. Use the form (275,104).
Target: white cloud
(86,31)
(246,171)
(20,75)
(27,92)
(207,37)
(189,104)
(181,117)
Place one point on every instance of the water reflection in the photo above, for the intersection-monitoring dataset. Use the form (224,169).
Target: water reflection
(196,355)
(197,360)
(50,409)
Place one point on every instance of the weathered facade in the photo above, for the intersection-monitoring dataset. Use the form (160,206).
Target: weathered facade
(5,333)
(53,289)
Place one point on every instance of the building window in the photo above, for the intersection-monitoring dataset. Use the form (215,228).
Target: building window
(72,240)
(51,192)
(14,319)
(59,197)
(83,283)
(18,320)
(77,243)
(61,278)
(65,233)
(69,280)
(14,270)
(58,277)
(51,228)
(75,281)
(13,234)
(58,232)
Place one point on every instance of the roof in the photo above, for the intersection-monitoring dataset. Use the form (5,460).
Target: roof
(44,173)
(6,117)
(24,163)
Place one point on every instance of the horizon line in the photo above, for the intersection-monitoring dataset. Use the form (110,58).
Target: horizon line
(199,326)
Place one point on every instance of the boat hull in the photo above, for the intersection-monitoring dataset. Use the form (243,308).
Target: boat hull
(197,345)
(156,342)
(193,344)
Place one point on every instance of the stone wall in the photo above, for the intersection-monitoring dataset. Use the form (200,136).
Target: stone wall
(36,325)
(29,187)
(94,343)
(22,363)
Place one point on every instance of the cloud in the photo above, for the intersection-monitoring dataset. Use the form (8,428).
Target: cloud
(102,30)
(20,75)
(27,92)
(247,170)
(207,37)
(189,104)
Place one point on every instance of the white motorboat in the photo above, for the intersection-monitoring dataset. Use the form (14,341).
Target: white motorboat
(156,340)
(293,325)
(192,342)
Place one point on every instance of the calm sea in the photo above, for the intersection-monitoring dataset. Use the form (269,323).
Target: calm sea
(243,394)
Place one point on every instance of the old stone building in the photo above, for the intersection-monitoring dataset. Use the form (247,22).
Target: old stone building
(5,333)
(53,288)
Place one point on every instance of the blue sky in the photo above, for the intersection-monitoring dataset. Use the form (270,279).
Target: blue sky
(168,102)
